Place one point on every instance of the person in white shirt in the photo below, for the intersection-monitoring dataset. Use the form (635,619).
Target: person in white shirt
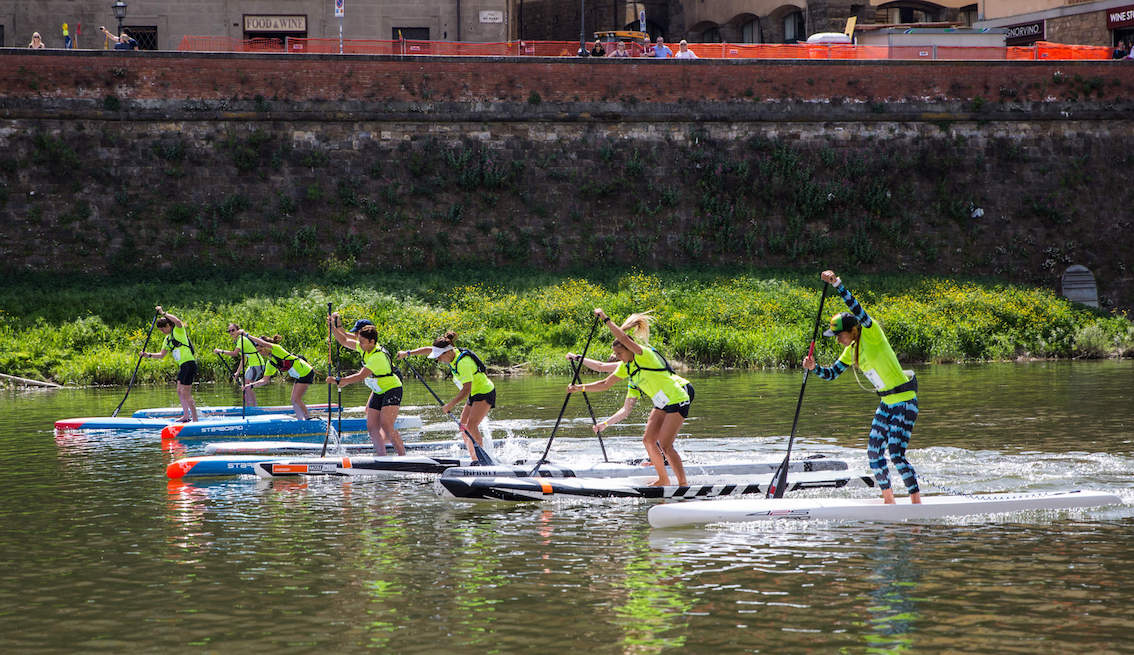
(683,51)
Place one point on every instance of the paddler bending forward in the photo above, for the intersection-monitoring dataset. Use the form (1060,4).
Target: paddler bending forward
(471,377)
(378,374)
(867,349)
(280,360)
(251,364)
(650,376)
(177,344)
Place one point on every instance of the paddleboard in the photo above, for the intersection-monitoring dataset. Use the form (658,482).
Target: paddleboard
(174,412)
(871,509)
(112,423)
(215,465)
(357,466)
(220,465)
(271,425)
(627,470)
(313,448)
(540,488)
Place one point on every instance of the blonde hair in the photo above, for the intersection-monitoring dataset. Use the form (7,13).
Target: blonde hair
(637,327)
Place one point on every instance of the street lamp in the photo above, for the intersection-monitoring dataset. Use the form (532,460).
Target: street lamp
(582,29)
(119,9)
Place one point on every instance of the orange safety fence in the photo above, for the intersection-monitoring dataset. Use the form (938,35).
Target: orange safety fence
(1042,50)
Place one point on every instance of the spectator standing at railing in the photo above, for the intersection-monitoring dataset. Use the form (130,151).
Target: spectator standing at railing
(660,50)
(121,42)
(1120,50)
(37,41)
(598,50)
(620,50)
(683,51)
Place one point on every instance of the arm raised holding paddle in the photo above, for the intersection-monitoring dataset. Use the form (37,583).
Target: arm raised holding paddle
(867,349)
(379,375)
(647,371)
(632,393)
(177,344)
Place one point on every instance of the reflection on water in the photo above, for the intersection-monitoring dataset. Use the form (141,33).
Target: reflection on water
(892,608)
(102,553)
(652,600)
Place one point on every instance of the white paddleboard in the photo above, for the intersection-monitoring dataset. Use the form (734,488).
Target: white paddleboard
(871,509)
(624,470)
(513,488)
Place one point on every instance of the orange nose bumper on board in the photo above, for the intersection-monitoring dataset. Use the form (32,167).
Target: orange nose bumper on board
(171,431)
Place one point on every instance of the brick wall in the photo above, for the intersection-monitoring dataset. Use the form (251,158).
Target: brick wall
(118,161)
(298,79)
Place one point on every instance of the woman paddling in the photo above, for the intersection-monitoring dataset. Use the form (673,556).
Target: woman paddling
(177,344)
(252,364)
(651,376)
(378,374)
(867,349)
(633,393)
(471,377)
(280,360)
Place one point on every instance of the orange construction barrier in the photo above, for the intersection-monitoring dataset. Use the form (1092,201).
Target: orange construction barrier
(841,51)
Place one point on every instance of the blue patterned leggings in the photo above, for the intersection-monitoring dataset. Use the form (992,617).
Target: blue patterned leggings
(891,430)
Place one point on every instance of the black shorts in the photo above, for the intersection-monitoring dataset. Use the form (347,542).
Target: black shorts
(681,408)
(187,373)
(388,399)
(490,397)
(306,379)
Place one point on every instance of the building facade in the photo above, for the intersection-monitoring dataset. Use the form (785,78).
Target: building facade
(730,21)
(1102,22)
(159,24)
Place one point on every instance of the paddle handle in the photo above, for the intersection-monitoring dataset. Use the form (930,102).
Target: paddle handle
(574,378)
(779,479)
(135,374)
(330,353)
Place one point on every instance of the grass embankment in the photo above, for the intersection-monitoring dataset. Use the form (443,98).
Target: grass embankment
(90,332)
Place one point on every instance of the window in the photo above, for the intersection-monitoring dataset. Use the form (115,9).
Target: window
(411,33)
(906,15)
(968,15)
(1,36)
(750,32)
(793,27)
(711,35)
(145,35)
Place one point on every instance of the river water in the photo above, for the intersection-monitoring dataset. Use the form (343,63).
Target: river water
(101,553)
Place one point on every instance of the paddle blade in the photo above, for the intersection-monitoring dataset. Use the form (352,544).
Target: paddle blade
(482,455)
(779,482)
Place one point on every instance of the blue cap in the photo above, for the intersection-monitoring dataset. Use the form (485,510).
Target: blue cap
(359,324)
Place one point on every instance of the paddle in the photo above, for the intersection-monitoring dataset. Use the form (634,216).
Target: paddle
(135,375)
(231,373)
(481,455)
(330,352)
(574,378)
(594,421)
(243,377)
(779,478)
